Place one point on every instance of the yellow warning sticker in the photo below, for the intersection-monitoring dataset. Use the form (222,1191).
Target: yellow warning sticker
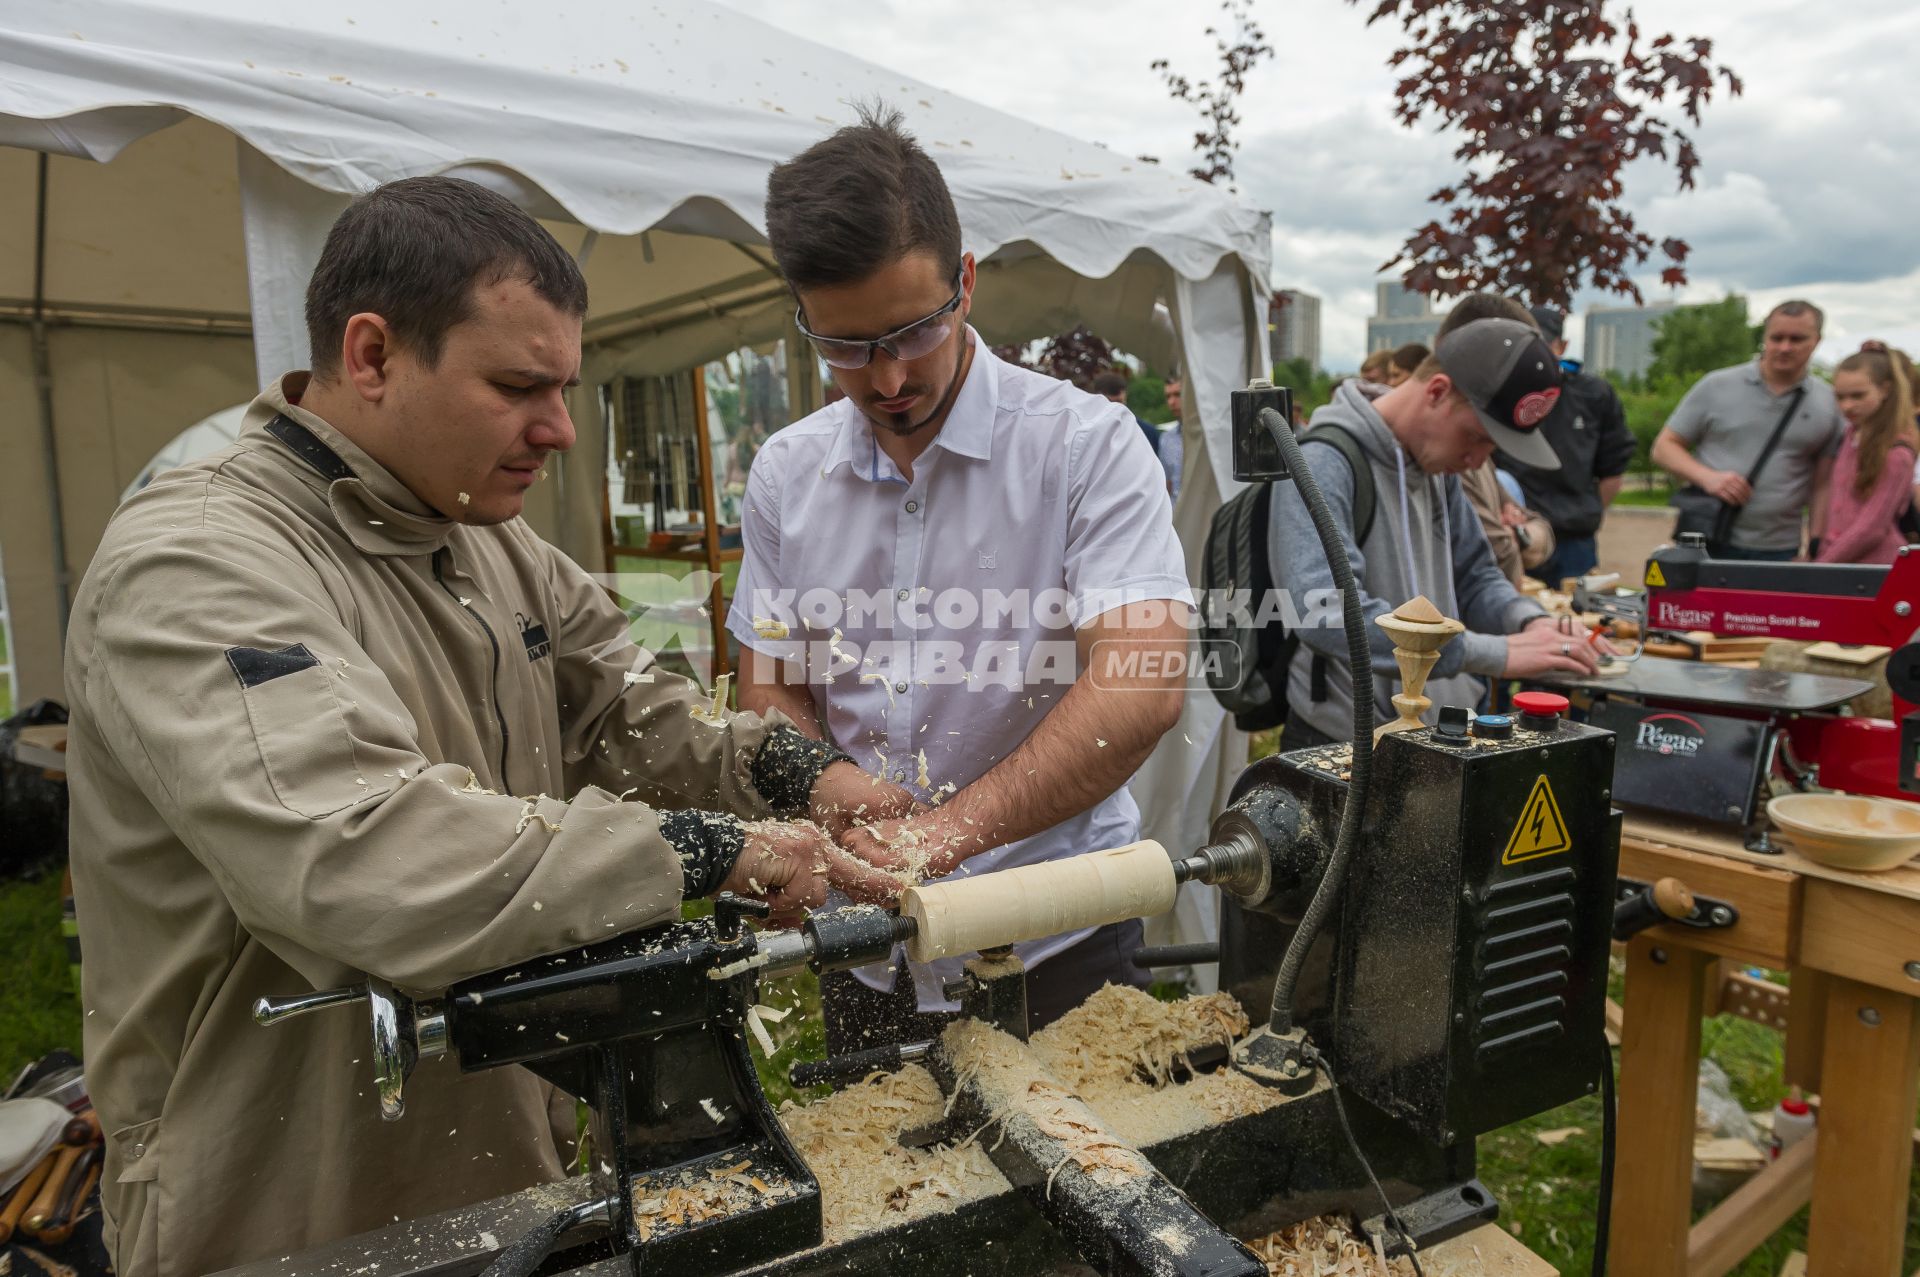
(1541,831)
(1654,575)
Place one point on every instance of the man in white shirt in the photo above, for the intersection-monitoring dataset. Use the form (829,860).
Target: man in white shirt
(964,573)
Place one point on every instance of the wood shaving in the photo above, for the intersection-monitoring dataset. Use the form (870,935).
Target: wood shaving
(714,713)
(768,628)
(1324,1248)
(868,1179)
(756,1017)
(664,1204)
(885,686)
(464,498)
(1121,1049)
(531,813)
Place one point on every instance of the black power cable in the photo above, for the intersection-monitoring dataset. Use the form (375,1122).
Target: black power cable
(1603,1217)
(1319,1061)
(1360,659)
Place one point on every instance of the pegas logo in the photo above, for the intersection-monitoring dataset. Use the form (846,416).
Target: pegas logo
(1671,616)
(1671,734)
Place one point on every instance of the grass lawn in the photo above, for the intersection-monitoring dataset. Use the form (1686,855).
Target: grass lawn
(1547,1194)
(38,1007)
(1634,494)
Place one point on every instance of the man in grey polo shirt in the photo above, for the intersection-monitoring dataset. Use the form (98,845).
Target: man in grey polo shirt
(1720,428)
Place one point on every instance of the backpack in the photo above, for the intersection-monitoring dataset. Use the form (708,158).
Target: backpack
(1252,684)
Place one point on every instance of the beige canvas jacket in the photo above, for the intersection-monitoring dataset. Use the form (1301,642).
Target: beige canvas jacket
(1483,490)
(318,731)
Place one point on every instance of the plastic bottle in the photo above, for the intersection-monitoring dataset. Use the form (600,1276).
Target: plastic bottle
(1792,1122)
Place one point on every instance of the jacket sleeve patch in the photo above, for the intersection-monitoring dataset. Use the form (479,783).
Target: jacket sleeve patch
(253,666)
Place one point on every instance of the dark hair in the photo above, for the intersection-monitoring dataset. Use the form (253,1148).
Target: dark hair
(862,199)
(1795,308)
(1476,306)
(413,251)
(1110,382)
(1410,356)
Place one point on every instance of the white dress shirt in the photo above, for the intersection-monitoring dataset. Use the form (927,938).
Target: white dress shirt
(904,599)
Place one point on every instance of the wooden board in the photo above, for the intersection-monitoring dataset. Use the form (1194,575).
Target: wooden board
(1659,1071)
(1487,1251)
(1731,1231)
(1864,1159)
(1862,935)
(1768,900)
(1904,881)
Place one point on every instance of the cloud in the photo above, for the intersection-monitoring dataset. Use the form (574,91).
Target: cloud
(1807,183)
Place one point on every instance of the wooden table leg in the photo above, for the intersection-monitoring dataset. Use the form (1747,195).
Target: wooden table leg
(1861,1169)
(1659,1073)
(1806,1028)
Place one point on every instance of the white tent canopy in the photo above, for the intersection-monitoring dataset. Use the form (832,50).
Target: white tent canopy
(155,251)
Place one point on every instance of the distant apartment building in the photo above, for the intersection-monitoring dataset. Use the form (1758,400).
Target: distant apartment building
(1399,317)
(1620,338)
(1293,327)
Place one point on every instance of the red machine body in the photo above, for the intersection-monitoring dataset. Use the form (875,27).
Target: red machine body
(1840,603)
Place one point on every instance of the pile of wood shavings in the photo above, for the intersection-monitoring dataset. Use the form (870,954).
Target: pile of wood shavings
(1324,1248)
(691,1197)
(1124,1034)
(868,1179)
(1118,1049)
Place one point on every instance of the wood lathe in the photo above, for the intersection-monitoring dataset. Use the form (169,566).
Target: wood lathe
(1432,947)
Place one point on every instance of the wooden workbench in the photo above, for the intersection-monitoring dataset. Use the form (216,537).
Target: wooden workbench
(1852,945)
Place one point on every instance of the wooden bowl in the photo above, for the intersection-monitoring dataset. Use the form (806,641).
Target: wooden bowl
(1847,831)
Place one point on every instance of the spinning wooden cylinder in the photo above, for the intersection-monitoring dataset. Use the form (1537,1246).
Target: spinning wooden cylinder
(1418,632)
(1031,901)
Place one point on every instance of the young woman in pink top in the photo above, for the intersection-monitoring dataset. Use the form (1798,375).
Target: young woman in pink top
(1873,475)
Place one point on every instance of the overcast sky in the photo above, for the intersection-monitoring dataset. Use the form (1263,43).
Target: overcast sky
(1809,186)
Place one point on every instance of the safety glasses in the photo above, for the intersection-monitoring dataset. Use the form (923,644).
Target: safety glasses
(920,338)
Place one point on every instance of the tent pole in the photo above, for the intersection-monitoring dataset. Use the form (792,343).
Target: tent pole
(43,383)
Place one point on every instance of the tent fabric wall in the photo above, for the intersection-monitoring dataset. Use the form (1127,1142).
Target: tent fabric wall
(118,397)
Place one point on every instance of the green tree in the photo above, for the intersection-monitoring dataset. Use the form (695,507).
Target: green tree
(1695,340)
(1648,402)
(1311,387)
(1147,398)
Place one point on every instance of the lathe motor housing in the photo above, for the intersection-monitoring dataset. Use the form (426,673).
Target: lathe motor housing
(1461,983)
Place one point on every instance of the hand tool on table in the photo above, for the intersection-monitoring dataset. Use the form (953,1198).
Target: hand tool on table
(23,1196)
(71,1204)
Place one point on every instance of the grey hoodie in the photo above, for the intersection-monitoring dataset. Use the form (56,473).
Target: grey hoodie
(1425,539)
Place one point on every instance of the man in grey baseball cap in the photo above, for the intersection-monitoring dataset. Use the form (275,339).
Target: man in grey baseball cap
(1504,369)
(1488,381)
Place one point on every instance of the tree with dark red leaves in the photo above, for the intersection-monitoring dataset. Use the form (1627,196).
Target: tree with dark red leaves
(1552,99)
(1239,51)
(1077,356)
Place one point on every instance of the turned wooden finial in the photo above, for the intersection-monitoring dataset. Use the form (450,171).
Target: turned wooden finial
(1418,631)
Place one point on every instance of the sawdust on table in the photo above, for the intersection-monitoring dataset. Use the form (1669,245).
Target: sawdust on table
(668,1202)
(1120,1049)
(1324,1247)
(868,1179)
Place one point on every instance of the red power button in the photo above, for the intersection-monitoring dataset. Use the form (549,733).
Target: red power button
(1540,704)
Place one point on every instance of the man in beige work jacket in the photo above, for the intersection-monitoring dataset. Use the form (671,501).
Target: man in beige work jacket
(336,711)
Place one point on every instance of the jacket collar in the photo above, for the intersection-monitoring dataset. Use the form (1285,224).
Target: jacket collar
(374,510)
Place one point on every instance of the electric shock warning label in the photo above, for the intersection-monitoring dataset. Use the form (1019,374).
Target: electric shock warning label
(1541,830)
